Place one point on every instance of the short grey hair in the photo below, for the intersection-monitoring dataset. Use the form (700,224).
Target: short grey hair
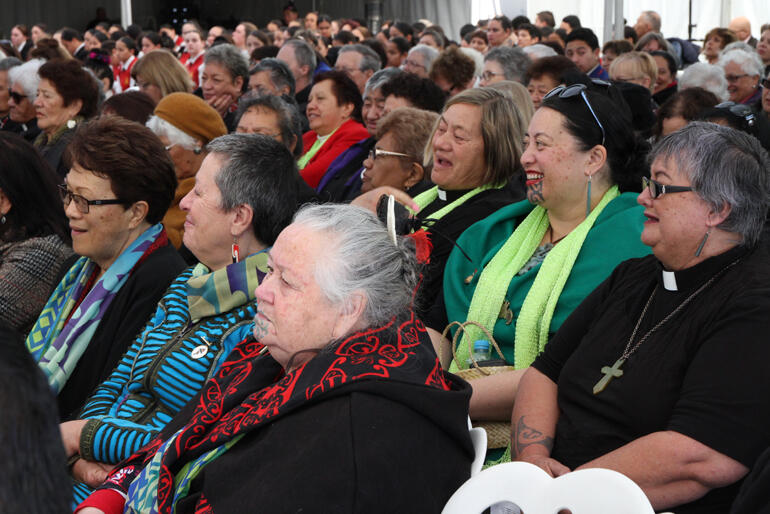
(737,45)
(257,171)
(379,78)
(429,54)
(369,58)
(538,51)
(27,77)
(289,122)
(175,136)
(706,76)
(280,74)
(512,60)
(362,259)
(653,19)
(750,62)
(231,59)
(8,63)
(725,166)
(303,54)
(478,59)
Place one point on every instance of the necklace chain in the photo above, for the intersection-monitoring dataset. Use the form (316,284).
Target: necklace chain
(629,350)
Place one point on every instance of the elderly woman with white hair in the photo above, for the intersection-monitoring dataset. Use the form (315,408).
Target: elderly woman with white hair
(743,70)
(419,60)
(185,124)
(23,82)
(705,76)
(663,366)
(338,365)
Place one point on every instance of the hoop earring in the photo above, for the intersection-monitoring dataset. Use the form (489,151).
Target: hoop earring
(702,243)
(235,251)
(588,197)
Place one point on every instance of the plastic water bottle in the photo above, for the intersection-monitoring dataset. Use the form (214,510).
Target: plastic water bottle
(481,351)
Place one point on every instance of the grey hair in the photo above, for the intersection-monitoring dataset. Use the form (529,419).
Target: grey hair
(664,44)
(26,75)
(369,58)
(289,122)
(653,19)
(512,60)
(750,62)
(378,79)
(9,62)
(429,54)
(280,74)
(478,59)
(737,45)
(257,171)
(707,76)
(303,54)
(231,58)
(362,259)
(538,51)
(725,166)
(175,136)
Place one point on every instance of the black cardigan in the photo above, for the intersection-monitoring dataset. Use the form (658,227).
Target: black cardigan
(126,316)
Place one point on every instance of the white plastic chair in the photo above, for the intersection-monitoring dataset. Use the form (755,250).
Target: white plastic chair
(479,440)
(589,491)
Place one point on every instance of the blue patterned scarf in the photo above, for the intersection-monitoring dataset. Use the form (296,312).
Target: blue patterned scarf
(58,340)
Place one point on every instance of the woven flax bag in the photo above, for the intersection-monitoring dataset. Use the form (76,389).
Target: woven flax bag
(498,432)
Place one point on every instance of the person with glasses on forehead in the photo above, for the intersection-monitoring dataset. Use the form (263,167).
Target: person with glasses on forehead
(740,117)
(664,364)
(526,267)
(119,186)
(743,71)
(185,124)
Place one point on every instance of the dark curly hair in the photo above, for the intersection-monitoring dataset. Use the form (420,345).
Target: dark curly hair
(454,66)
(421,93)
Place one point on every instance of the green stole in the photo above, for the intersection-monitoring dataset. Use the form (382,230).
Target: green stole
(534,320)
(428,197)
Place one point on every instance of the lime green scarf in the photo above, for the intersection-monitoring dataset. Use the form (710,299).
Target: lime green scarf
(319,142)
(428,197)
(537,310)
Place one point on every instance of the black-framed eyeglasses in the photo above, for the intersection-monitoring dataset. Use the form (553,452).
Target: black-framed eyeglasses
(82,203)
(740,110)
(17,97)
(376,152)
(575,90)
(765,83)
(657,189)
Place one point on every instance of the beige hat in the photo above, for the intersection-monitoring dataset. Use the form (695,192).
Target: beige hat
(192,115)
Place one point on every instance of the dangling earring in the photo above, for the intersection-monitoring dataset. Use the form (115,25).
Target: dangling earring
(2,220)
(236,252)
(702,243)
(588,197)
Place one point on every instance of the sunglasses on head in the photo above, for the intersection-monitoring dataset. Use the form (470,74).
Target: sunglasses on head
(578,90)
(740,110)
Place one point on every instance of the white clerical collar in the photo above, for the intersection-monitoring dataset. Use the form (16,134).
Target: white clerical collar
(669,281)
(441,194)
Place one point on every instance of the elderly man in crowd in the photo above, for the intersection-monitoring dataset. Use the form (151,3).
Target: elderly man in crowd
(359,62)
(301,60)
(742,28)
(648,21)
(271,77)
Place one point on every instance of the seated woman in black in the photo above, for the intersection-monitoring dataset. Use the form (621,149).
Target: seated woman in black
(659,374)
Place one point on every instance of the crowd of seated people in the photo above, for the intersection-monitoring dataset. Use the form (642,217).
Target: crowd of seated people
(220,242)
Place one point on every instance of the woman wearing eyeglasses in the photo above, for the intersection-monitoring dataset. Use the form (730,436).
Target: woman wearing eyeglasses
(115,195)
(527,266)
(743,71)
(244,195)
(658,373)
(396,159)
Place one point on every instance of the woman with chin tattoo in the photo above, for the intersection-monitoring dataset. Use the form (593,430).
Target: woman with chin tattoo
(531,263)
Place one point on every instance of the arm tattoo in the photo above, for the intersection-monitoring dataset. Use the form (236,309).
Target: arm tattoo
(525,435)
(535,193)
